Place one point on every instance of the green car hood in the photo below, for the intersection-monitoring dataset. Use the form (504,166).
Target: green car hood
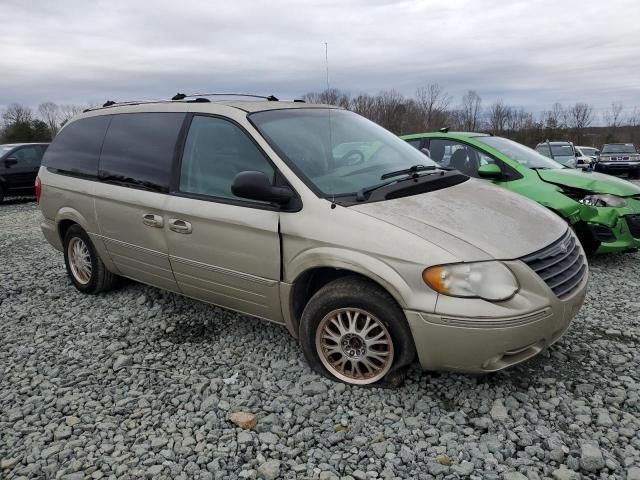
(592,181)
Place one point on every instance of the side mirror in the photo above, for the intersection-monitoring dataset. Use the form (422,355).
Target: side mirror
(10,161)
(490,171)
(257,186)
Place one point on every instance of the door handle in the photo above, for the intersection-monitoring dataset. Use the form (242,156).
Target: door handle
(179,226)
(152,220)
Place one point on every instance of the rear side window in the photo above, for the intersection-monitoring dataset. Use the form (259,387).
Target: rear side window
(76,149)
(139,148)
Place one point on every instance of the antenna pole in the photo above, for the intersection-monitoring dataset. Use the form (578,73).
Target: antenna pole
(326,62)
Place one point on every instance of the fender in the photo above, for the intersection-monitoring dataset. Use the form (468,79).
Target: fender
(68,213)
(357,262)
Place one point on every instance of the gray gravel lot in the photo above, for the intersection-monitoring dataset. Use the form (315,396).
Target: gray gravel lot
(139,383)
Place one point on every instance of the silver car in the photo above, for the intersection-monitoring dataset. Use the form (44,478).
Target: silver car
(316,218)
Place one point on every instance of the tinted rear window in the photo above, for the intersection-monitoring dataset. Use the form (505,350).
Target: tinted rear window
(76,148)
(139,148)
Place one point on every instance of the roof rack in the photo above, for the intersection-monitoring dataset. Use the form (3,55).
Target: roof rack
(111,103)
(182,96)
(197,98)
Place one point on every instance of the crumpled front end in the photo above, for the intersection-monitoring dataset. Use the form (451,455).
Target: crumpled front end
(613,229)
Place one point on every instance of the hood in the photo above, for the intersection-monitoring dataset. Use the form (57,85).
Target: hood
(501,224)
(593,181)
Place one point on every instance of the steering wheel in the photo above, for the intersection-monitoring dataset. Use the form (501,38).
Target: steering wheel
(352,157)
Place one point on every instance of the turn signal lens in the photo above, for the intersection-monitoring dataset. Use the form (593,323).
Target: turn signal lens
(488,280)
(436,278)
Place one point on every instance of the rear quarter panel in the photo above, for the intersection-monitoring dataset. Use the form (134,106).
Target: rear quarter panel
(66,198)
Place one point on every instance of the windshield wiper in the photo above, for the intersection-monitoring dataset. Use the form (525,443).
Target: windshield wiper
(361,194)
(408,171)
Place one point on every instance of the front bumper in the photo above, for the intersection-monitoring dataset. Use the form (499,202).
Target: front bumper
(617,167)
(484,342)
(623,239)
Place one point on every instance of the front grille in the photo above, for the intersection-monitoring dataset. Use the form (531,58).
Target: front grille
(561,265)
(633,221)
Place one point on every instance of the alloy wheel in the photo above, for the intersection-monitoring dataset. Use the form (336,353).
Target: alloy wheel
(354,345)
(79,260)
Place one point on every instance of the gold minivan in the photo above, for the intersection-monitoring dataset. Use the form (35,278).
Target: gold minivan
(314,217)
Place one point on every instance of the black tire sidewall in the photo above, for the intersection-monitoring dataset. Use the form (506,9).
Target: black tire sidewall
(355,293)
(75,231)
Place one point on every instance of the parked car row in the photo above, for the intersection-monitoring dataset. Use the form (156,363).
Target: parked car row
(371,253)
(614,158)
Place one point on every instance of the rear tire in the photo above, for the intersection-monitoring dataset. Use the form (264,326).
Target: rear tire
(1,194)
(354,331)
(84,266)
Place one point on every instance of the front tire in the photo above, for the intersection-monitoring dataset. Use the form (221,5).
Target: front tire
(84,266)
(353,331)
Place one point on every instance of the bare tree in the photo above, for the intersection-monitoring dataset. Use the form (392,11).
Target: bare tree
(364,105)
(556,118)
(470,110)
(49,112)
(67,112)
(633,120)
(519,119)
(498,116)
(332,96)
(613,115)
(16,113)
(390,108)
(433,101)
(580,117)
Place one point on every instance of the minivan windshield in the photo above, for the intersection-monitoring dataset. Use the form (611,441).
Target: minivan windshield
(520,153)
(337,151)
(619,148)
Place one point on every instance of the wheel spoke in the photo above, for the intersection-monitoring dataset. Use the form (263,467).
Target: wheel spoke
(356,366)
(368,326)
(337,322)
(334,350)
(371,343)
(329,335)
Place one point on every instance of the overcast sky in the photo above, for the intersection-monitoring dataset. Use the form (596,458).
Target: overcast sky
(529,53)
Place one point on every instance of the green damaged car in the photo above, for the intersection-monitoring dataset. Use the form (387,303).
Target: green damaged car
(603,210)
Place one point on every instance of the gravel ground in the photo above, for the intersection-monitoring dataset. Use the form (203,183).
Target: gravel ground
(140,383)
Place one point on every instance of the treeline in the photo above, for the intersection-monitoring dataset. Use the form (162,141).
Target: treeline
(22,124)
(432,108)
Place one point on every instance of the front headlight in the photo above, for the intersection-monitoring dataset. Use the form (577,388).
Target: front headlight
(488,280)
(603,200)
